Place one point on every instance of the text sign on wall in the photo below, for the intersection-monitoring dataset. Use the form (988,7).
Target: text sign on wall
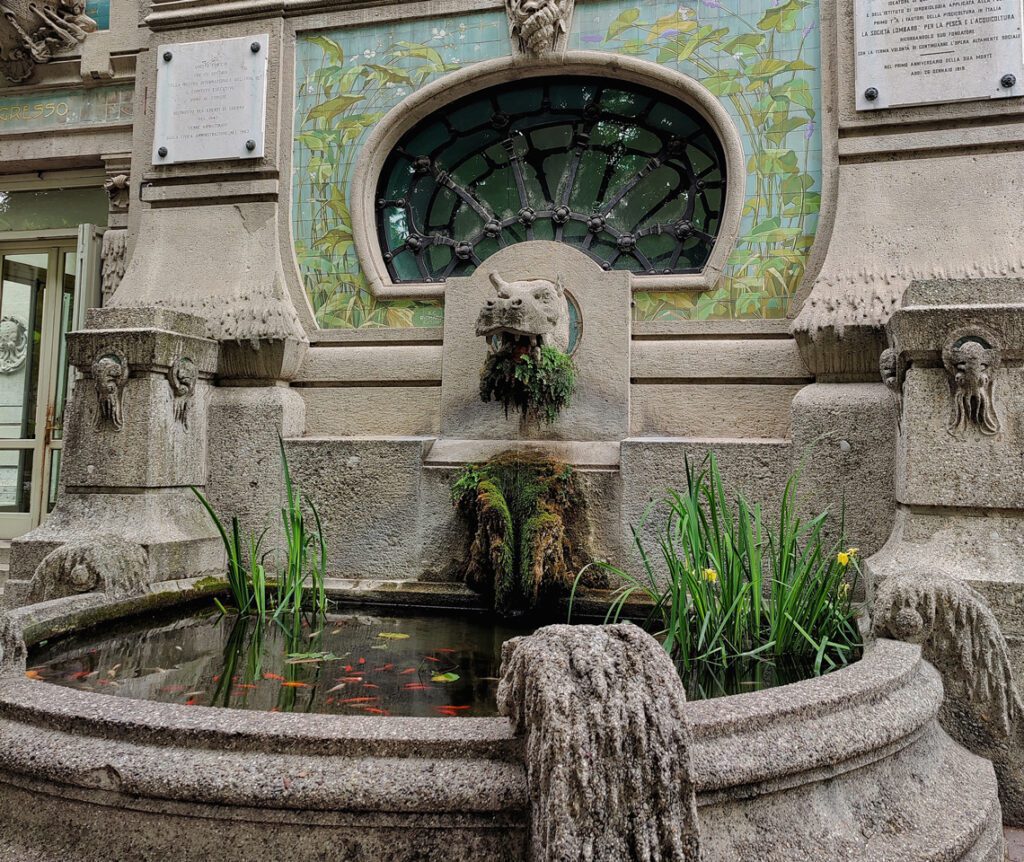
(211,100)
(919,52)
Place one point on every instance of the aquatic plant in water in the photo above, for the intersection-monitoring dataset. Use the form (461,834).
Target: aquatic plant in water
(537,384)
(302,564)
(729,590)
(527,520)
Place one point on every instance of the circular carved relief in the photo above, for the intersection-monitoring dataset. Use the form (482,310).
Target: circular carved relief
(13,344)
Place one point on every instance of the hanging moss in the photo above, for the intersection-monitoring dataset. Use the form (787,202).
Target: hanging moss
(529,531)
(537,384)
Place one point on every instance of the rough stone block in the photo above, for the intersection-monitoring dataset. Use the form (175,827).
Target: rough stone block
(844,445)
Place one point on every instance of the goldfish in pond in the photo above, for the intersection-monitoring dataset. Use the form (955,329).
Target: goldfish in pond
(293,684)
(275,676)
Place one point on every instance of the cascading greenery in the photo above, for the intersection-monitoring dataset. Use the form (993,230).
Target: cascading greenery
(537,385)
(528,525)
(731,590)
(300,568)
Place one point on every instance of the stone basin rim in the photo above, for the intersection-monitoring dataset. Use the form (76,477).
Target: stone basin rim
(891,674)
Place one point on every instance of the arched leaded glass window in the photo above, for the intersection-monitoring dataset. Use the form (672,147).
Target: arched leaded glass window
(627,174)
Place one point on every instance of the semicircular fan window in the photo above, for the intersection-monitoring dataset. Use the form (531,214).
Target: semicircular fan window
(630,176)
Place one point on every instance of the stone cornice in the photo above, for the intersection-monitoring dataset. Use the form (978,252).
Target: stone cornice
(171,14)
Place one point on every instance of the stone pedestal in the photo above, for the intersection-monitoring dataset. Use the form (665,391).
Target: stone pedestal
(955,372)
(136,441)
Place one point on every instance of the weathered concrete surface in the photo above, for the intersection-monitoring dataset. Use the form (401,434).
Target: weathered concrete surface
(607,746)
(844,443)
(983,709)
(245,474)
(102,563)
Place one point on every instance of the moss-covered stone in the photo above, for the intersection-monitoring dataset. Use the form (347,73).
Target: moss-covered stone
(528,522)
(536,383)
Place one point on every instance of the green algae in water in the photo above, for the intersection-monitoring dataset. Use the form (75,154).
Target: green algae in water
(353,663)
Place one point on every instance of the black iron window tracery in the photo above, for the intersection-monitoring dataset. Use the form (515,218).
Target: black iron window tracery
(630,176)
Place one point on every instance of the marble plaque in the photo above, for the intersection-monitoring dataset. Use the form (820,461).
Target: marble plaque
(921,52)
(211,100)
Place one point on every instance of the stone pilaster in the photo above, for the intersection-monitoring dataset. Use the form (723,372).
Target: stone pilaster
(136,440)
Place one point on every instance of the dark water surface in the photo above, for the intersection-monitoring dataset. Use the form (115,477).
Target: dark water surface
(354,662)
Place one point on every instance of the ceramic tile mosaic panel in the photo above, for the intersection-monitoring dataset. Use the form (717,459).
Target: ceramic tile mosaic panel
(760,57)
(66,109)
(99,11)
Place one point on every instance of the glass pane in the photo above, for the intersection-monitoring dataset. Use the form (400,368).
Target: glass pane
(21,310)
(67,312)
(54,478)
(52,208)
(15,480)
(630,176)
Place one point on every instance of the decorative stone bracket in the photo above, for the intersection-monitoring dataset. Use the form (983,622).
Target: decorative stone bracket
(32,32)
(538,27)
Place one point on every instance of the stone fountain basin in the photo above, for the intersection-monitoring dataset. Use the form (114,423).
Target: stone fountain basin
(849,766)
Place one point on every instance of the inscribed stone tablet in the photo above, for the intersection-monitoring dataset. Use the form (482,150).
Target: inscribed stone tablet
(211,100)
(920,52)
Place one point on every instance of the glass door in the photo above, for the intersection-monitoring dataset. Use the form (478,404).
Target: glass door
(39,304)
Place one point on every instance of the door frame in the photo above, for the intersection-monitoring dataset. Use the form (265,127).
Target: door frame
(56,244)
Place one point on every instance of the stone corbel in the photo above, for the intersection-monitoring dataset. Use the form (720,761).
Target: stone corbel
(539,27)
(32,32)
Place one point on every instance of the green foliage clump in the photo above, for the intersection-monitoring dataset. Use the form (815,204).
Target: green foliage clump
(304,559)
(535,385)
(528,526)
(730,590)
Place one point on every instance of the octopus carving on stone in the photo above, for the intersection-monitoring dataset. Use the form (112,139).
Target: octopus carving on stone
(32,32)
(13,344)
(971,363)
(183,376)
(110,374)
(537,26)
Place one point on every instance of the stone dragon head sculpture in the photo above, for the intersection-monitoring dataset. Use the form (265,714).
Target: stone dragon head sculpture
(971,363)
(537,25)
(525,315)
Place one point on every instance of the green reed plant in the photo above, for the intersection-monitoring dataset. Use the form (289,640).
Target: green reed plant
(730,589)
(303,563)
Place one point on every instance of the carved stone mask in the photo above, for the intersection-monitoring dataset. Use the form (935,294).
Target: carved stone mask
(537,24)
(535,310)
(971,363)
(13,344)
(110,373)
